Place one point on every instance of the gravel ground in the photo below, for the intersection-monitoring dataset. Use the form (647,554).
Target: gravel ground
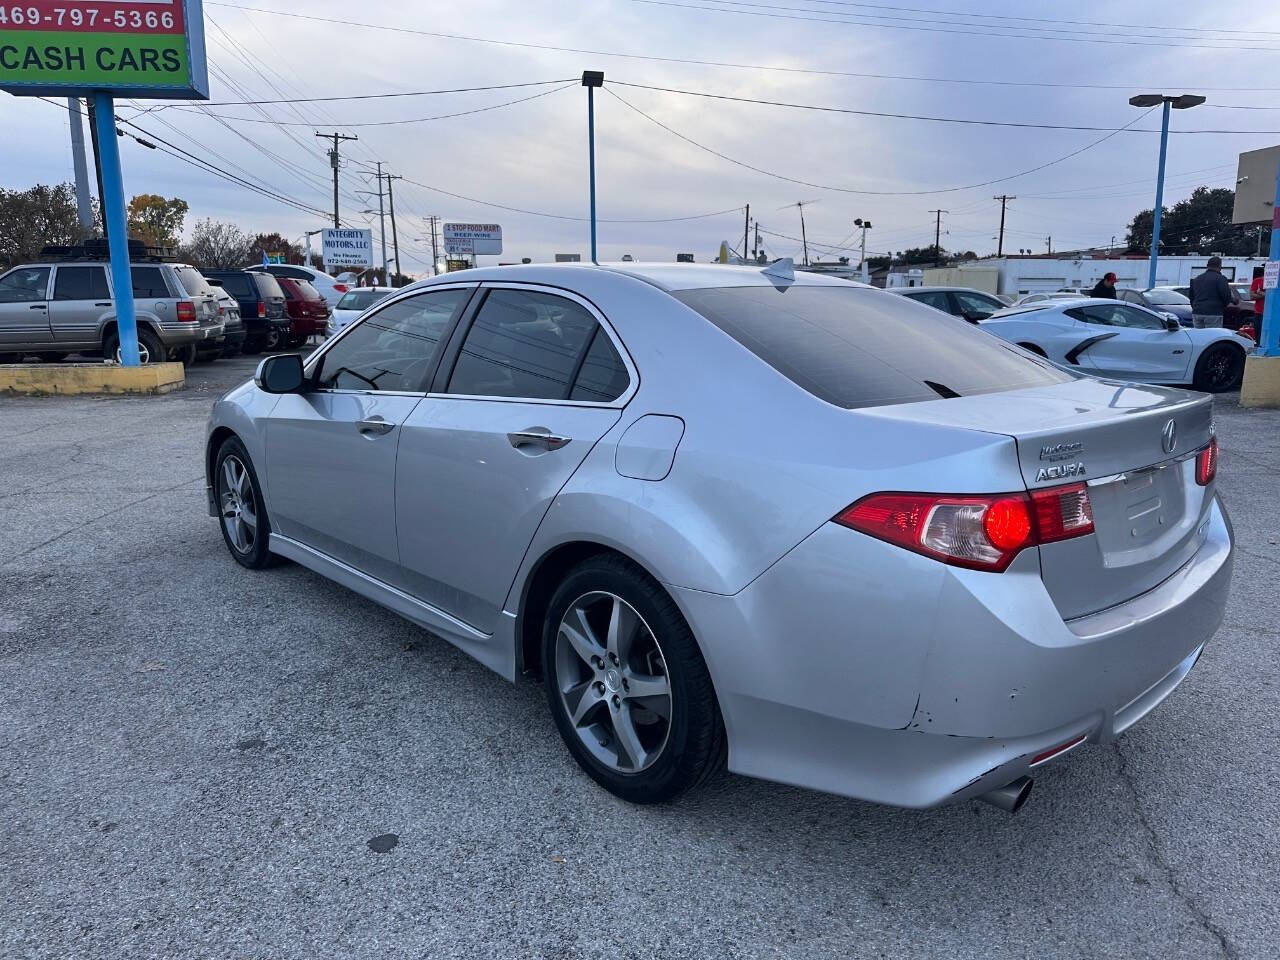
(200,761)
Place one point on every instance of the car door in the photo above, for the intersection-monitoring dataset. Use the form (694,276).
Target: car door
(938,299)
(80,298)
(532,380)
(1131,343)
(331,450)
(24,307)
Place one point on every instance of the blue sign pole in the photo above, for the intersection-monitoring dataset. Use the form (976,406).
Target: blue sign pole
(117,230)
(1269,335)
(1155,222)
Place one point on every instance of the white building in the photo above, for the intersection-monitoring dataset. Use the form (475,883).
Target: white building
(1019,275)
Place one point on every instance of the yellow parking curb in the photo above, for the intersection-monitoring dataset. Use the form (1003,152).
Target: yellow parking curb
(66,379)
(1261,387)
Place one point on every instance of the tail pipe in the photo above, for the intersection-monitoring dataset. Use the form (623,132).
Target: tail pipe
(1011,796)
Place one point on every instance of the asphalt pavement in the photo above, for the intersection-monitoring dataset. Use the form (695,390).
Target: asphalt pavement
(201,761)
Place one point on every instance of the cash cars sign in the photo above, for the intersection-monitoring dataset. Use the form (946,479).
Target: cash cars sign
(150,48)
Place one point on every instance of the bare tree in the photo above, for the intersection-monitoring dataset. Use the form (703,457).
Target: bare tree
(217,246)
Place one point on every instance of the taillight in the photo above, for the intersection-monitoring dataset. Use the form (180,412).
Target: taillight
(262,308)
(1247,330)
(340,287)
(982,532)
(1207,463)
(186,311)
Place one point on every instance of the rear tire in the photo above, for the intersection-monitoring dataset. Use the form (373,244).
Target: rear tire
(1220,368)
(10,358)
(253,346)
(621,738)
(242,513)
(275,340)
(150,349)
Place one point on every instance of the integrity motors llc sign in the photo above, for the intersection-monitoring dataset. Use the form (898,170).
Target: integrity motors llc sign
(346,248)
(152,48)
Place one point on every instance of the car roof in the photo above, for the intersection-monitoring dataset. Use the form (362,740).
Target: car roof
(903,291)
(666,276)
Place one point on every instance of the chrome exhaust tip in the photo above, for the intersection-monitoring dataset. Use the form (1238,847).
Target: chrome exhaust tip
(1011,796)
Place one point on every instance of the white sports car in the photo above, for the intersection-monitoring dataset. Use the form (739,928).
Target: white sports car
(1123,341)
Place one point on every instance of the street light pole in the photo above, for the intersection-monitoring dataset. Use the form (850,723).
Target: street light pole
(1182,102)
(592,79)
(862,264)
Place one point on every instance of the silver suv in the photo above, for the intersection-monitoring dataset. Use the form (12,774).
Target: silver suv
(58,307)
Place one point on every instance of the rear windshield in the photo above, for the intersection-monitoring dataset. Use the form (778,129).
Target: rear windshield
(855,347)
(193,282)
(360,299)
(304,289)
(268,286)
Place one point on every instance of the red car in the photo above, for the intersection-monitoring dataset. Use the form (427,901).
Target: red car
(308,312)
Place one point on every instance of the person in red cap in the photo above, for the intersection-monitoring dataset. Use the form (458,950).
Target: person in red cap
(1105,288)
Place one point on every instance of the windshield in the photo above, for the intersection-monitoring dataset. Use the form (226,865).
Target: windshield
(193,282)
(1166,298)
(856,347)
(361,299)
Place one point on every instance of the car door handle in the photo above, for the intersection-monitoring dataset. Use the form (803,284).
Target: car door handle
(375,425)
(104,304)
(539,436)
(37,306)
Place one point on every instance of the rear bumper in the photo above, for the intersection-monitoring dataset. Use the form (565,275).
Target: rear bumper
(180,335)
(891,678)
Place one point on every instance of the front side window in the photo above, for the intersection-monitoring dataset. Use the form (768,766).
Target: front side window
(856,347)
(936,299)
(25,285)
(148,283)
(523,344)
(81,283)
(394,348)
(972,303)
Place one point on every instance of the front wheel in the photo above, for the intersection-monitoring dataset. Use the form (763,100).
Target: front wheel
(241,510)
(1220,368)
(627,686)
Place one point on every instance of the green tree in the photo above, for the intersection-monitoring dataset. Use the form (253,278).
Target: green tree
(273,243)
(32,219)
(155,221)
(217,246)
(1199,224)
(929,254)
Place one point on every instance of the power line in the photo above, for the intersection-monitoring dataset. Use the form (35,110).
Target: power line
(986,31)
(718,63)
(383,96)
(880,193)
(911,116)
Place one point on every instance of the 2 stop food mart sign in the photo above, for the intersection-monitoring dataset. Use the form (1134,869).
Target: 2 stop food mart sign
(141,48)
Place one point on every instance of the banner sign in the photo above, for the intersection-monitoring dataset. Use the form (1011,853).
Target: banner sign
(346,248)
(1271,275)
(473,238)
(141,48)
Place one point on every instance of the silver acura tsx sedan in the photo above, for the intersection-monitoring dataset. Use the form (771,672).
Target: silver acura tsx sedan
(826,534)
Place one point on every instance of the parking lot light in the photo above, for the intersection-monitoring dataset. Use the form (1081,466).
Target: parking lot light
(1183,101)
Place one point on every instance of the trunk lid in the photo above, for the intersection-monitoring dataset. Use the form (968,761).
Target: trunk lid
(1148,510)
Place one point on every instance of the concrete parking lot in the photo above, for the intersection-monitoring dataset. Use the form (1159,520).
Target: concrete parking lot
(201,761)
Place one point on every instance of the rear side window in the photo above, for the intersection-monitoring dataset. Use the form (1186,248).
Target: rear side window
(524,344)
(148,283)
(603,377)
(193,282)
(81,283)
(239,286)
(934,298)
(268,286)
(855,347)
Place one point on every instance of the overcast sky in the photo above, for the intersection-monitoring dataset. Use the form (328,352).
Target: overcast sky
(533,155)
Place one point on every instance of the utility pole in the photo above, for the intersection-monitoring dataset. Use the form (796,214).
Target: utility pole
(804,237)
(395,241)
(1004,200)
(755,247)
(335,161)
(937,237)
(746,229)
(864,225)
(435,252)
(1050,242)
(84,205)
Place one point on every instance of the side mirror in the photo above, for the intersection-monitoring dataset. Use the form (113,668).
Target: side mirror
(280,374)
(973,316)
(1170,323)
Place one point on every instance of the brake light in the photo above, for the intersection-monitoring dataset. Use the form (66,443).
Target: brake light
(340,287)
(1207,463)
(262,308)
(186,311)
(982,532)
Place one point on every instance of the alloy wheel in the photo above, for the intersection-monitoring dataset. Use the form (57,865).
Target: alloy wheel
(144,355)
(235,497)
(613,682)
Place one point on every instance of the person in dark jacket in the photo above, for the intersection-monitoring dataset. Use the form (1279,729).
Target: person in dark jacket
(1105,288)
(1210,296)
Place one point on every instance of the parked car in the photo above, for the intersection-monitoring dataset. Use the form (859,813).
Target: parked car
(353,303)
(1236,315)
(308,314)
(1164,300)
(972,305)
(331,289)
(233,326)
(64,305)
(1109,338)
(262,306)
(860,558)
(1049,297)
